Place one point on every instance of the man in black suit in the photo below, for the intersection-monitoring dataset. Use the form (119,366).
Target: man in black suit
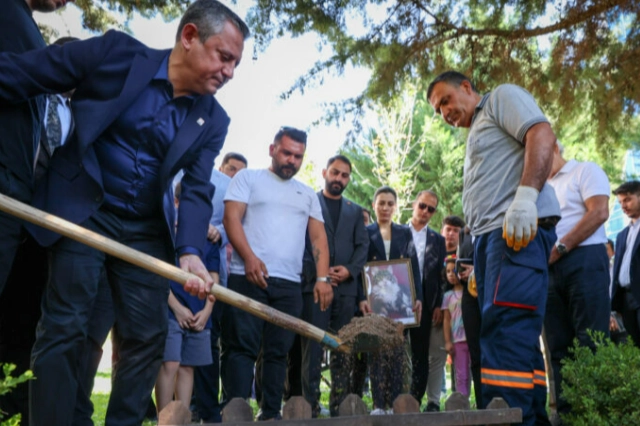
(21,124)
(348,245)
(22,260)
(625,297)
(431,251)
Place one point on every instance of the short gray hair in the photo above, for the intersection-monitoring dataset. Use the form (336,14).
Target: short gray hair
(209,16)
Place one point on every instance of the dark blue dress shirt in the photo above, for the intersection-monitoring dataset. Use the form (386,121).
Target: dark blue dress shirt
(136,144)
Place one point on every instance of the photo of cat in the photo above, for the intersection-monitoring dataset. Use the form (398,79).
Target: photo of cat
(389,290)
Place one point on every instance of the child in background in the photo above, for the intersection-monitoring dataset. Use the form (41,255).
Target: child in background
(454,336)
(188,341)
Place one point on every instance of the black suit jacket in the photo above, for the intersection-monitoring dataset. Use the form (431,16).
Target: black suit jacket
(348,244)
(617,299)
(432,277)
(401,247)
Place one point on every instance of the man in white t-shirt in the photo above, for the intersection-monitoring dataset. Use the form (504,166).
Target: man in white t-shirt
(266,216)
(578,295)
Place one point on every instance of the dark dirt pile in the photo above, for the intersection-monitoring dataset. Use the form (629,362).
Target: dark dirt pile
(372,333)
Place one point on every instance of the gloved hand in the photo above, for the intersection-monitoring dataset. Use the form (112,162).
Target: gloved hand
(521,220)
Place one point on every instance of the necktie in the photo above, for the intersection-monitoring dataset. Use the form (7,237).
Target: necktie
(54,130)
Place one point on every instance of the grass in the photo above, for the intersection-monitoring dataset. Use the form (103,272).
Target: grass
(101,399)
(100,402)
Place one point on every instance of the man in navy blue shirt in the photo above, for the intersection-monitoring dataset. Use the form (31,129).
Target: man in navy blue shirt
(141,116)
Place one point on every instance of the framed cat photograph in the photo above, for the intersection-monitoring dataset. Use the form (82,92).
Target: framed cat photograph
(390,291)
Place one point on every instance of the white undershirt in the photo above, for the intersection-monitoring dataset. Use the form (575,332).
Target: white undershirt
(420,242)
(387,248)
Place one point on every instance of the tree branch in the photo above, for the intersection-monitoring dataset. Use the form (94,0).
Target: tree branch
(574,16)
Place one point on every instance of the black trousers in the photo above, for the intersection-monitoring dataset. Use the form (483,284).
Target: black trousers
(140,307)
(333,319)
(206,379)
(244,334)
(577,301)
(631,316)
(471,320)
(12,234)
(293,381)
(19,315)
(420,355)
(101,321)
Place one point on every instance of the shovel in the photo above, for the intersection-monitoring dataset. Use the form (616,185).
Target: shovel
(169,271)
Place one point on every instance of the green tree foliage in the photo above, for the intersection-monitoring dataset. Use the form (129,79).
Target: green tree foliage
(602,386)
(576,56)
(309,174)
(7,384)
(102,15)
(409,149)
(98,15)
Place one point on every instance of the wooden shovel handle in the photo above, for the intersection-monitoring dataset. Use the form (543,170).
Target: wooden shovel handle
(169,271)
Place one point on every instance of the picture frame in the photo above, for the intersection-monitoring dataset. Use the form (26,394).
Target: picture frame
(390,290)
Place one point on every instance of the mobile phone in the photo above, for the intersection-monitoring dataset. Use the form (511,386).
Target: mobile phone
(463,262)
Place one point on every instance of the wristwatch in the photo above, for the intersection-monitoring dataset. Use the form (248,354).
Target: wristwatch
(324,279)
(562,249)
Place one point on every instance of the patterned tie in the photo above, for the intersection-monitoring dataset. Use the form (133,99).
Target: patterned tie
(54,130)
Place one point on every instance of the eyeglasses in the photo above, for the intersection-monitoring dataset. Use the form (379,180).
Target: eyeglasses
(429,208)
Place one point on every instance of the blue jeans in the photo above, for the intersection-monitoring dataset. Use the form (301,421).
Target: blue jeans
(512,293)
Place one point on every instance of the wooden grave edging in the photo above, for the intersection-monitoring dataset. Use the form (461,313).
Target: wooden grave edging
(353,412)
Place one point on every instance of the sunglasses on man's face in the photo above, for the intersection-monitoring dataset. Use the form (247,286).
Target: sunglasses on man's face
(429,208)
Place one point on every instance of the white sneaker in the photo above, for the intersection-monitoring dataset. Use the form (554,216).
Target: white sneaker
(378,412)
(389,411)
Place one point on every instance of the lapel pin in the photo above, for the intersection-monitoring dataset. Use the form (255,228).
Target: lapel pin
(200,121)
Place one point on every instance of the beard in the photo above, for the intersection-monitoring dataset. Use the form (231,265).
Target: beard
(334,188)
(284,172)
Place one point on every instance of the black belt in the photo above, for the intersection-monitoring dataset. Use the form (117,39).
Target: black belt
(548,222)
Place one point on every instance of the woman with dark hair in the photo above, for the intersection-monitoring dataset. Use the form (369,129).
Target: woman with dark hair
(388,241)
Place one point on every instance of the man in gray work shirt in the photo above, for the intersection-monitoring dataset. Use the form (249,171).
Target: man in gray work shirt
(512,214)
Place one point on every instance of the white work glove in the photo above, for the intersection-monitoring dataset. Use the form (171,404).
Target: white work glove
(521,220)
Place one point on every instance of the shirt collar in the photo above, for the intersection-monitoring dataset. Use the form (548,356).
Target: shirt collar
(163,69)
(162,75)
(423,230)
(568,166)
(480,105)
